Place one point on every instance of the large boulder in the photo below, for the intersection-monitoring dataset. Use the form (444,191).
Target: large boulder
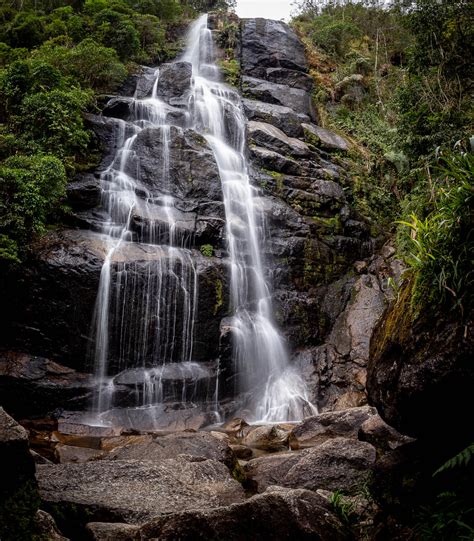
(18,489)
(197,444)
(314,431)
(274,139)
(420,372)
(267,44)
(295,98)
(277,514)
(133,491)
(337,464)
(284,118)
(326,139)
(174,81)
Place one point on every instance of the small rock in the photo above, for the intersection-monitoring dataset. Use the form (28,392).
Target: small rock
(69,453)
(45,527)
(235,427)
(267,438)
(360,267)
(104,531)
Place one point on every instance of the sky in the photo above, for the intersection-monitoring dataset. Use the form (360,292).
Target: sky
(270,9)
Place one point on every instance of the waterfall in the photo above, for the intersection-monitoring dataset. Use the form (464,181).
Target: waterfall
(146,304)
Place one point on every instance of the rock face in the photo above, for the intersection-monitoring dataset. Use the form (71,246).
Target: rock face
(18,490)
(413,364)
(134,491)
(43,385)
(278,514)
(314,236)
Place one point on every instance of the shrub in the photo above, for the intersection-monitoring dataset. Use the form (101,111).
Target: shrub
(54,121)
(31,187)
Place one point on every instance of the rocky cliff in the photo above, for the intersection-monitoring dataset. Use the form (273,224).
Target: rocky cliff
(327,298)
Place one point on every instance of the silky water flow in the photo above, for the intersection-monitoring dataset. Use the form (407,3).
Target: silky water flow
(147,300)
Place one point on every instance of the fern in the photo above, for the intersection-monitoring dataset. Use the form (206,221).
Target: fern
(461,459)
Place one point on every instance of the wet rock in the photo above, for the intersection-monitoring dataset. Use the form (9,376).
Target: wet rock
(18,489)
(267,438)
(314,431)
(337,464)
(353,399)
(278,514)
(43,385)
(134,491)
(274,161)
(119,107)
(326,139)
(294,98)
(381,435)
(45,527)
(293,78)
(279,116)
(139,84)
(198,444)
(193,170)
(174,82)
(268,136)
(270,44)
(84,192)
(104,531)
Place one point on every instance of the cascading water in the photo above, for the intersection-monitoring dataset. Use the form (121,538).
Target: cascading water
(274,390)
(146,306)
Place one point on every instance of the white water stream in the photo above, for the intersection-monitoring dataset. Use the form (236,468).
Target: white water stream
(147,319)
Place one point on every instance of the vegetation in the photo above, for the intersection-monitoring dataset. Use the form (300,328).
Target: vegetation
(394,79)
(55,58)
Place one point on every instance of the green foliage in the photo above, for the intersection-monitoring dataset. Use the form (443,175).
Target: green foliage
(342,507)
(450,518)
(53,120)
(231,71)
(207,250)
(438,243)
(31,187)
(89,63)
(116,30)
(334,36)
(458,461)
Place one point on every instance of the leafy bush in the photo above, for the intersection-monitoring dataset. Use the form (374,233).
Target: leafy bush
(439,246)
(54,121)
(31,187)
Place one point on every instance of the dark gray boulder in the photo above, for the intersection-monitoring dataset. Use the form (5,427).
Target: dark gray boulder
(197,444)
(268,43)
(314,431)
(174,82)
(282,117)
(337,464)
(268,136)
(295,98)
(278,514)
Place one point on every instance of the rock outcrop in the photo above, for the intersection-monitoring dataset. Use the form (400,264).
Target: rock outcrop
(417,362)
(19,499)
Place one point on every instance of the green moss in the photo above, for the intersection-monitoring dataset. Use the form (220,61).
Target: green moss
(207,250)
(238,473)
(219,296)
(231,71)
